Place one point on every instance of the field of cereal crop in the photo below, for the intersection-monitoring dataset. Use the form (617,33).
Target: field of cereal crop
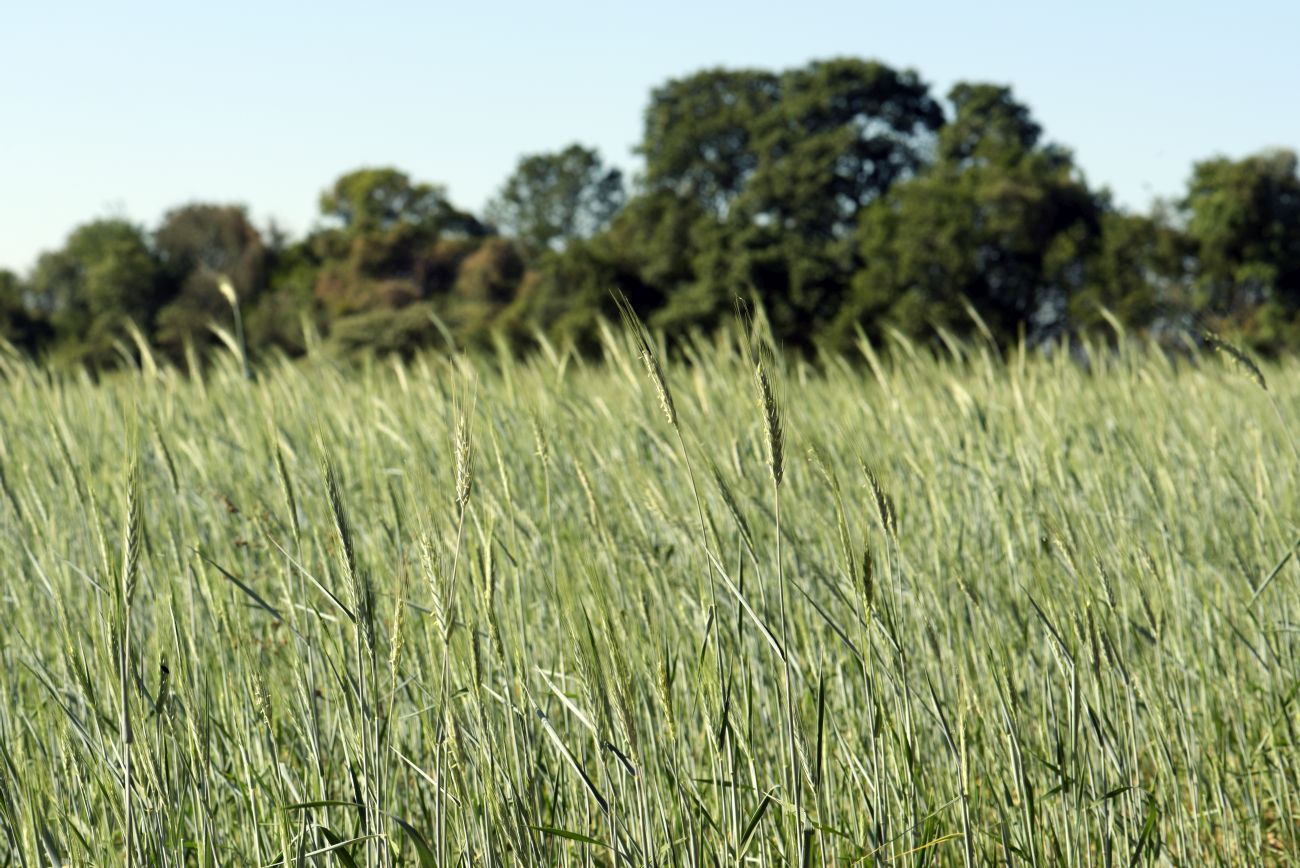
(930,610)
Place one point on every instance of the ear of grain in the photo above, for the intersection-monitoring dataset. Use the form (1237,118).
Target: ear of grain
(1217,343)
(286,491)
(884,503)
(770,410)
(359,585)
(132,534)
(649,358)
(464,451)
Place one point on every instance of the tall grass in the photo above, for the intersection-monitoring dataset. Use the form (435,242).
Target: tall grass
(911,611)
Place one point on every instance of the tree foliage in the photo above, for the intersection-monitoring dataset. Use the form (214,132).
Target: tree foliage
(752,185)
(1244,218)
(1138,273)
(840,195)
(699,141)
(553,199)
(1000,222)
(19,324)
(379,245)
(379,199)
(197,246)
(104,273)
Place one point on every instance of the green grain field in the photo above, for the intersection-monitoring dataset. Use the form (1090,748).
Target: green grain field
(902,608)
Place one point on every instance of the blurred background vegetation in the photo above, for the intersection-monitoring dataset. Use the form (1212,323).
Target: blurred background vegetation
(843,196)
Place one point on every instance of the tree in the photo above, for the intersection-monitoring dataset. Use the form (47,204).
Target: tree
(102,274)
(1139,272)
(285,312)
(552,199)
(491,273)
(197,245)
(804,149)
(1000,221)
(380,199)
(379,245)
(844,132)
(776,168)
(699,139)
(989,126)
(199,240)
(1244,218)
(648,253)
(18,324)
(13,308)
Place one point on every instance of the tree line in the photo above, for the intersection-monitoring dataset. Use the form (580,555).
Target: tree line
(843,196)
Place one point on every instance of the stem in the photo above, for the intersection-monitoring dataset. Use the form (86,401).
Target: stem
(243,345)
(446,676)
(792,758)
(711,563)
(124,658)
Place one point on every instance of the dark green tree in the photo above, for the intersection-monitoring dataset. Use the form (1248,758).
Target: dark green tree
(277,316)
(552,199)
(1000,221)
(843,133)
(197,241)
(197,245)
(753,181)
(700,134)
(1139,271)
(490,275)
(18,323)
(371,199)
(989,126)
(11,299)
(1244,218)
(379,245)
(104,273)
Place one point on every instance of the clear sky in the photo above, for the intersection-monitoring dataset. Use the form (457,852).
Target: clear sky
(130,107)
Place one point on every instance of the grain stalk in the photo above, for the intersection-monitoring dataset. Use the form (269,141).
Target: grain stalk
(362,597)
(774,439)
(654,370)
(463,451)
(128,580)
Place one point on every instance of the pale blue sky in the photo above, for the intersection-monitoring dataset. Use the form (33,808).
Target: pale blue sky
(130,107)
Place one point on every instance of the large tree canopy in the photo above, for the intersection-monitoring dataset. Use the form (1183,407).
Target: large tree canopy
(804,149)
(102,274)
(843,132)
(197,245)
(1001,222)
(379,247)
(754,180)
(1244,216)
(552,199)
(1138,273)
(19,326)
(200,240)
(372,199)
(699,140)
(989,125)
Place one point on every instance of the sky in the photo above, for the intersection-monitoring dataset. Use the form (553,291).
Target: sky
(129,108)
